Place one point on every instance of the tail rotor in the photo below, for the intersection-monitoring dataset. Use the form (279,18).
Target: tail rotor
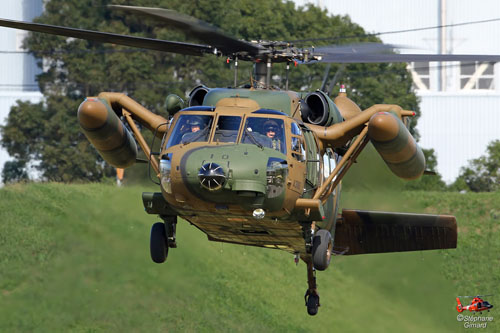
(459,306)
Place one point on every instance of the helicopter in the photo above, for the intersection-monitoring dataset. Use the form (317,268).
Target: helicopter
(477,304)
(257,165)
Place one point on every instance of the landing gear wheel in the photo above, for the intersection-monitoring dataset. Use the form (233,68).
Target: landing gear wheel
(158,243)
(311,297)
(322,249)
(312,304)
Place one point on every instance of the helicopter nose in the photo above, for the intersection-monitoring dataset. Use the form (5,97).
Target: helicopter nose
(211,176)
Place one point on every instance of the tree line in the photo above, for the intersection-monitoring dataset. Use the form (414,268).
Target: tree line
(46,137)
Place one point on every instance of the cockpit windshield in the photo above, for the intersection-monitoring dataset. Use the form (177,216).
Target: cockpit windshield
(227,129)
(261,131)
(190,128)
(266,132)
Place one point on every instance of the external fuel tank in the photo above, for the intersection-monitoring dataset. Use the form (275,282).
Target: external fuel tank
(396,145)
(106,133)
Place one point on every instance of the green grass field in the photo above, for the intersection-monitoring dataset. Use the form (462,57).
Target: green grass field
(75,258)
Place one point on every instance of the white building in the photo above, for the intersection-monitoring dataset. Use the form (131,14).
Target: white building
(17,69)
(460,104)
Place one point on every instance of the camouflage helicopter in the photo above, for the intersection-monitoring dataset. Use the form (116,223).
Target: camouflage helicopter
(258,165)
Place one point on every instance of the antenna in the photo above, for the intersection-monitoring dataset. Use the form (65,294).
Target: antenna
(235,71)
(287,70)
(325,77)
(268,78)
(335,78)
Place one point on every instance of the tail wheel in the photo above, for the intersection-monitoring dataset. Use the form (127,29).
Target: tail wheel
(322,249)
(158,243)
(312,304)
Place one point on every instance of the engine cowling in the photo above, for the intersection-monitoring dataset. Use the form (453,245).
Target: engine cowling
(318,109)
(197,95)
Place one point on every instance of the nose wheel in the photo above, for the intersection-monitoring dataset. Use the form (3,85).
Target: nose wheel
(312,303)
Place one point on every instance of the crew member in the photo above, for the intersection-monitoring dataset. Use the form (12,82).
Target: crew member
(271,129)
(196,124)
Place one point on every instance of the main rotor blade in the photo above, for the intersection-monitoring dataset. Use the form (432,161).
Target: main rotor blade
(359,48)
(195,28)
(373,58)
(105,37)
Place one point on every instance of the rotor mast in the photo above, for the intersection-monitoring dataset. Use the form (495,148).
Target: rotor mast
(262,74)
(259,72)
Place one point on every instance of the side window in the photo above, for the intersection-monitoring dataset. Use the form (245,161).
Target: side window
(298,150)
(327,167)
(296,129)
(329,163)
(333,159)
(227,129)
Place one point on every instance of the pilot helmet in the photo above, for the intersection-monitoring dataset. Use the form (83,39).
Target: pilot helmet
(271,125)
(196,121)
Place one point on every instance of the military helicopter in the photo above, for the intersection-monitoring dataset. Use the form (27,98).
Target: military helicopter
(257,165)
(476,305)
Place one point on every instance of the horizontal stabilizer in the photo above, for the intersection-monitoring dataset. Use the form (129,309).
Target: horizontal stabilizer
(361,232)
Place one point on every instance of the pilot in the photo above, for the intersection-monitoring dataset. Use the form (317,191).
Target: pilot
(271,129)
(196,124)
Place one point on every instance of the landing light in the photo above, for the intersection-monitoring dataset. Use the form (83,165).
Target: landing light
(259,213)
(165,169)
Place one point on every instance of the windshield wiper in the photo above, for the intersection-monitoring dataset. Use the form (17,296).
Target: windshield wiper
(253,139)
(196,136)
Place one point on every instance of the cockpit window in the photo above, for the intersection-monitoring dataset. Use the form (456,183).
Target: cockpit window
(227,129)
(298,150)
(266,132)
(190,128)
